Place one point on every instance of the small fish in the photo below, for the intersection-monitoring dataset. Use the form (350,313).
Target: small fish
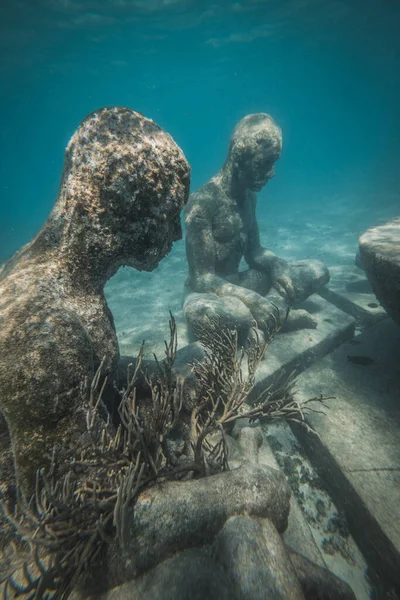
(364,361)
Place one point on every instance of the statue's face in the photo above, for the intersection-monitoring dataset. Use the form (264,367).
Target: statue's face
(257,166)
(146,223)
(129,181)
(255,146)
(151,243)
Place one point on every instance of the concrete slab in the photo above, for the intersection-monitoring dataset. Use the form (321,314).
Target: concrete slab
(357,450)
(313,512)
(350,290)
(296,350)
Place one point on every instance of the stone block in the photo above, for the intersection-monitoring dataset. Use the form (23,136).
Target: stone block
(380,255)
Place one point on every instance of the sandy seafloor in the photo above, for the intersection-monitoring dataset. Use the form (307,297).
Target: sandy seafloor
(328,231)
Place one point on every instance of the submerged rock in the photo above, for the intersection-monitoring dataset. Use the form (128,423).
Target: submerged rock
(380,255)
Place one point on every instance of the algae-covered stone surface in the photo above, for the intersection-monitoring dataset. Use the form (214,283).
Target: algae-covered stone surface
(358,444)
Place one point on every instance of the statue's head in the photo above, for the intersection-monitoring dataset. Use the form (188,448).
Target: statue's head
(124,184)
(255,146)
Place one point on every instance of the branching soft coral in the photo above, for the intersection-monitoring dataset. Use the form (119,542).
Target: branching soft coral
(61,532)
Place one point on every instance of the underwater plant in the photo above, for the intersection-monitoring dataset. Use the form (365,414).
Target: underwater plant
(66,523)
(224,390)
(62,531)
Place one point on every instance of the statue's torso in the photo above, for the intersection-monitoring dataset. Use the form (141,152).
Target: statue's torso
(37,306)
(231,226)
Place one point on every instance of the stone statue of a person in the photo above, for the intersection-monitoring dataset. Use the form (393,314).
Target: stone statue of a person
(124,184)
(222,229)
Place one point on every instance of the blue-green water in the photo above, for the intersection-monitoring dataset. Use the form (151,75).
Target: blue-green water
(327,72)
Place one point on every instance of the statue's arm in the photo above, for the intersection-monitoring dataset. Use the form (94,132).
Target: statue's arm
(262,259)
(200,249)
(255,255)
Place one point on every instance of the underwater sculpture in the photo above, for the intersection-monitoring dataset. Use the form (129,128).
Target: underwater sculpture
(117,515)
(123,186)
(222,229)
(116,490)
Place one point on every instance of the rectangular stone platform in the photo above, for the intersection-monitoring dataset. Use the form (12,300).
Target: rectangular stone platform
(357,450)
(350,290)
(295,351)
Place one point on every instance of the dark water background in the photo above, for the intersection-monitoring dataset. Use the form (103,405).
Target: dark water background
(327,71)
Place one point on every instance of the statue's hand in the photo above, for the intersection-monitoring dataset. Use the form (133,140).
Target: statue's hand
(282,281)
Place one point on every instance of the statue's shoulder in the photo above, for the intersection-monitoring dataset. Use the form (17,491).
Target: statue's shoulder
(203,200)
(12,263)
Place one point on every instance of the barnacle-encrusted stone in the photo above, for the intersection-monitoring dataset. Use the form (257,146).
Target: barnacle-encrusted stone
(222,234)
(380,256)
(124,184)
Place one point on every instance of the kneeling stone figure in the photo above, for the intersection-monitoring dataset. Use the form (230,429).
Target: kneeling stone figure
(222,229)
